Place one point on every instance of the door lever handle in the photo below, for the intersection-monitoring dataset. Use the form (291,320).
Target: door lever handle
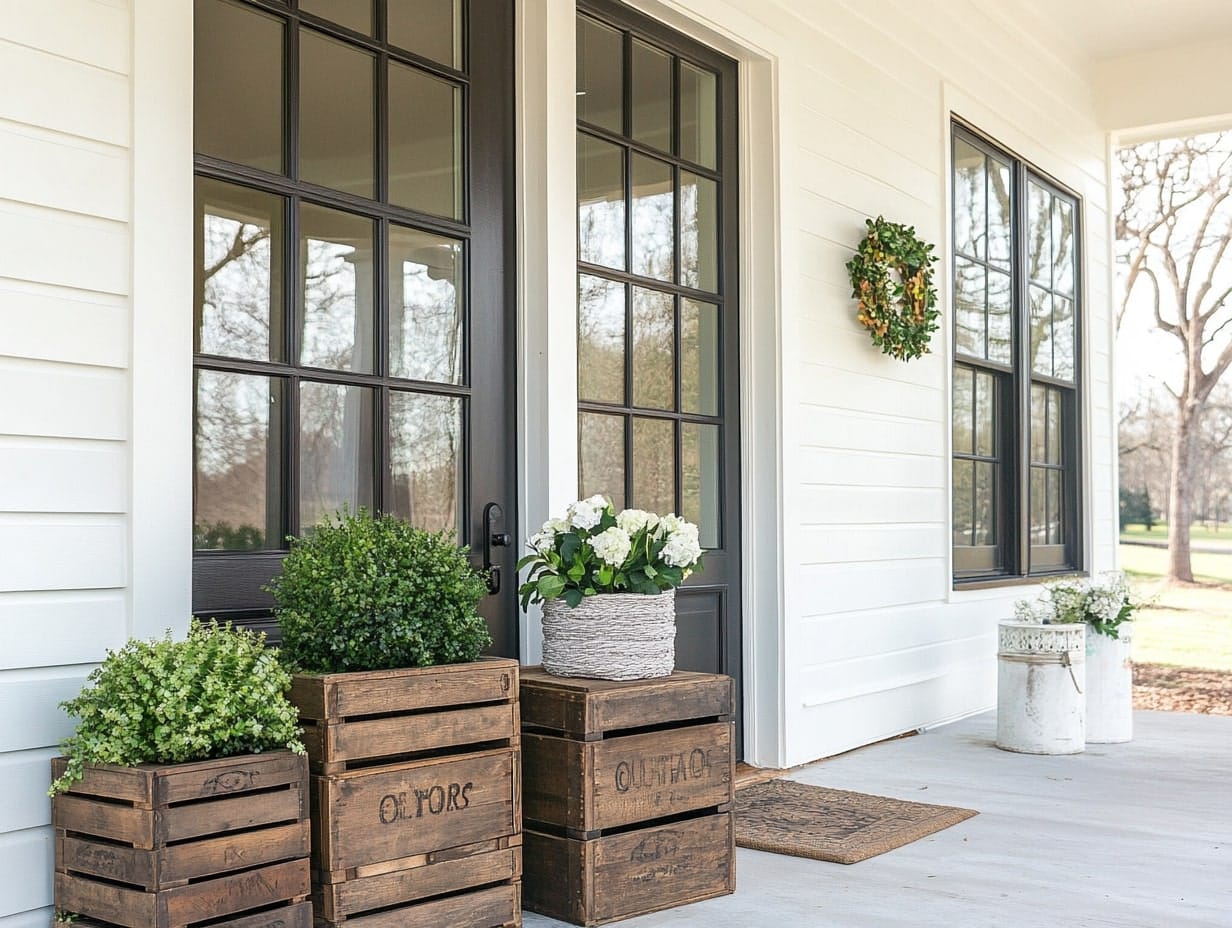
(493,537)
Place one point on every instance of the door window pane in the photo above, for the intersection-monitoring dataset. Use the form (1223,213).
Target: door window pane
(654,349)
(601,457)
(970,200)
(426,306)
(652,96)
(1055,508)
(238,56)
(969,303)
(1054,427)
(425,459)
(699,232)
(1039,423)
(654,465)
(237,462)
(654,219)
(425,142)
(601,202)
(699,357)
(336,463)
(698,115)
(1062,338)
(984,532)
(699,480)
(239,259)
(337,106)
(429,28)
(600,75)
(336,292)
(353,14)
(601,340)
(1039,506)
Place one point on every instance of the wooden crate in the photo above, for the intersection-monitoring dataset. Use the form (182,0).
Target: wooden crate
(160,846)
(416,795)
(628,790)
(591,882)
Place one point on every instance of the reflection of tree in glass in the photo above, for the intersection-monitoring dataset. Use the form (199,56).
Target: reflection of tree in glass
(236,282)
(424,459)
(330,327)
(425,337)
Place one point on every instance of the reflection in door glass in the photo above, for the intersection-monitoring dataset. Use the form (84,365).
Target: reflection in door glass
(337,114)
(335,289)
(425,306)
(425,459)
(699,480)
(601,339)
(698,115)
(353,14)
(699,357)
(699,232)
(601,202)
(652,96)
(654,464)
(654,219)
(654,349)
(601,456)
(336,463)
(430,28)
(425,142)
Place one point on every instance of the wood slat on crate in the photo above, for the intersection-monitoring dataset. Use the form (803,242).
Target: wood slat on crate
(493,907)
(289,915)
(631,873)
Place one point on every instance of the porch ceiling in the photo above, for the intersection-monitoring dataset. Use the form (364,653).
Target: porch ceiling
(1104,29)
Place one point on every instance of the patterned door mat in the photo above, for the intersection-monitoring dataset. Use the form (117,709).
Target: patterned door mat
(785,817)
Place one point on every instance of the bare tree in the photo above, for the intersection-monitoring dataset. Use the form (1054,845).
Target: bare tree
(1174,230)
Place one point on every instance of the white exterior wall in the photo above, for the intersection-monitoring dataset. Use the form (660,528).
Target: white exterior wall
(83,254)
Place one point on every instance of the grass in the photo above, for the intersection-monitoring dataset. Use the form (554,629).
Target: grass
(1152,563)
(1197,533)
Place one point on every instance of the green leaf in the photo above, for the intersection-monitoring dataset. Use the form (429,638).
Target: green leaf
(572,596)
(550,586)
(570,545)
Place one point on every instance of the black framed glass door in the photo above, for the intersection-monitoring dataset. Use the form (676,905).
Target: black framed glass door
(353,317)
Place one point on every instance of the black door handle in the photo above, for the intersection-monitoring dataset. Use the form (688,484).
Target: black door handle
(493,537)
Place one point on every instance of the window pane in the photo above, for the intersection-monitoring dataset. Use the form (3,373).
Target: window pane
(1054,427)
(969,200)
(600,75)
(1056,534)
(601,457)
(425,459)
(431,28)
(985,415)
(601,340)
(1000,324)
(1041,331)
(969,297)
(237,458)
(964,410)
(353,14)
(1039,423)
(654,465)
(336,461)
(1039,234)
(652,96)
(985,528)
(238,95)
(1039,506)
(699,358)
(654,349)
(1063,246)
(239,253)
(964,492)
(999,218)
(699,232)
(337,98)
(653,219)
(698,115)
(426,307)
(601,202)
(425,142)
(1062,338)
(335,289)
(699,479)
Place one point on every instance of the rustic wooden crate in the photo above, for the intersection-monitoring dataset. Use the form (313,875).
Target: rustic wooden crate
(351,719)
(628,790)
(158,846)
(489,907)
(591,882)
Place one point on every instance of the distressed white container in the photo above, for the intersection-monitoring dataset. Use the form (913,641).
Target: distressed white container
(1041,678)
(1110,686)
(612,636)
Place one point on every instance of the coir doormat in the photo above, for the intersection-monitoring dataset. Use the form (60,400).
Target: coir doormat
(786,817)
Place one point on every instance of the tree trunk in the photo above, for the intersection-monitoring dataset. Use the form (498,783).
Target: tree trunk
(1180,507)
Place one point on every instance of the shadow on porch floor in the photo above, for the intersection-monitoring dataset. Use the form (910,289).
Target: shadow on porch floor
(1134,835)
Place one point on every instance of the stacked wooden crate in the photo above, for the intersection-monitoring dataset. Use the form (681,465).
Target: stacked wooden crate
(628,794)
(167,846)
(415,795)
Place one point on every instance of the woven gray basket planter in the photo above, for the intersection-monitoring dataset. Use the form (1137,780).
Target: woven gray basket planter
(612,636)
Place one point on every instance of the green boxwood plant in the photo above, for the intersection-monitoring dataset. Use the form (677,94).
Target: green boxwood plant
(217,693)
(365,592)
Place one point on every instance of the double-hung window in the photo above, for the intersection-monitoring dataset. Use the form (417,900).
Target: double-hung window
(1016,302)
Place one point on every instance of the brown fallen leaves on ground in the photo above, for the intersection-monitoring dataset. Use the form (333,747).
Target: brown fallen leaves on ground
(1182,689)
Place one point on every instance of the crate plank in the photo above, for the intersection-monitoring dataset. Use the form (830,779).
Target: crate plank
(226,776)
(494,907)
(234,852)
(132,865)
(85,815)
(117,905)
(196,819)
(291,915)
(405,734)
(131,784)
(235,893)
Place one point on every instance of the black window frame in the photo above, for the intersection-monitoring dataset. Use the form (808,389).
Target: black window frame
(1021,560)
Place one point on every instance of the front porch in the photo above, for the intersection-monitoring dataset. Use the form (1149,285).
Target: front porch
(1136,834)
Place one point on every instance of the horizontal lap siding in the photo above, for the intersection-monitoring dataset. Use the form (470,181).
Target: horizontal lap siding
(65,331)
(875,640)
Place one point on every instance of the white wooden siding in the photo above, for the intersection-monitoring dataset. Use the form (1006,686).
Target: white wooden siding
(65,329)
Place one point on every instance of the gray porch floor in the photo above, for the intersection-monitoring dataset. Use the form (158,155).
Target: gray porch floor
(1134,835)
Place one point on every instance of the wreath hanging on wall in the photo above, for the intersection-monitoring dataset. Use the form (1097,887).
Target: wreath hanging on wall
(892,278)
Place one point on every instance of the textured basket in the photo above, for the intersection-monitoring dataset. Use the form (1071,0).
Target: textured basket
(612,636)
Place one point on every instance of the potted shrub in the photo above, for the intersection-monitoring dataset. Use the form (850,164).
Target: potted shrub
(414,735)
(607,582)
(185,765)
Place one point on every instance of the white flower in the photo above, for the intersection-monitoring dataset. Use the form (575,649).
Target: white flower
(634,520)
(670,524)
(545,539)
(612,545)
(586,513)
(1036,611)
(682,548)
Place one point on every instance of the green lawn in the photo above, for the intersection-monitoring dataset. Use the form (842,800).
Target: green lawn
(1197,533)
(1152,563)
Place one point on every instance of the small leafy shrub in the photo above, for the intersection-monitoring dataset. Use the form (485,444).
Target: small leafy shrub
(217,693)
(364,592)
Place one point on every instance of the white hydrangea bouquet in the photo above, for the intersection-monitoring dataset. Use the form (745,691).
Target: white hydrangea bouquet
(1103,602)
(596,550)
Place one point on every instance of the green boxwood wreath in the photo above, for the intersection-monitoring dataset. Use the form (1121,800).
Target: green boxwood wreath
(892,278)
